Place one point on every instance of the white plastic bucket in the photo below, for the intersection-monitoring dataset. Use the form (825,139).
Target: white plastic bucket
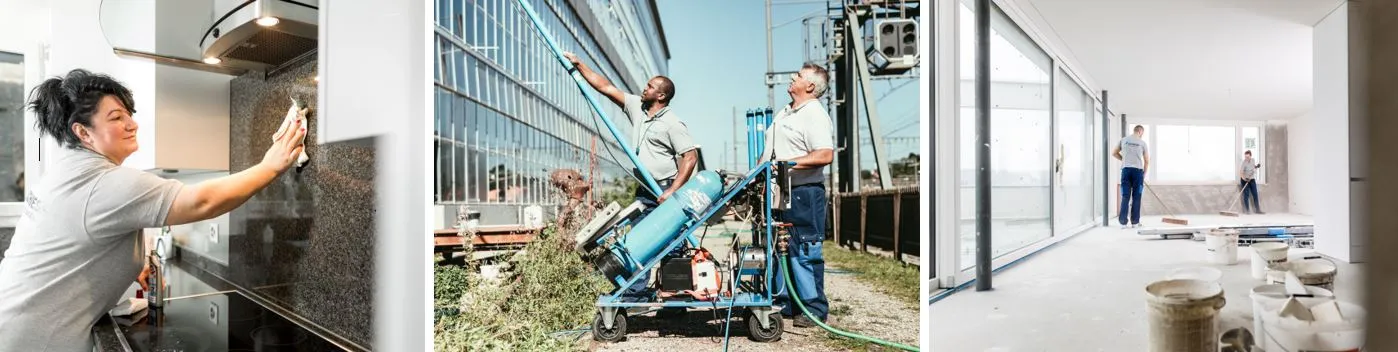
(1196,273)
(1184,315)
(1274,253)
(1259,265)
(1311,272)
(1222,245)
(1271,297)
(1290,334)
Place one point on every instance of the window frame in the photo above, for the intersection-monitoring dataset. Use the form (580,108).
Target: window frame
(11,211)
(1259,154)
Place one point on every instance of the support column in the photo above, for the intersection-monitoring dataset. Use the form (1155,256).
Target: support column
(983,243)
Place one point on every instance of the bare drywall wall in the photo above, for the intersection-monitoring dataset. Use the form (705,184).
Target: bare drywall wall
(1300,139)
(1206,199)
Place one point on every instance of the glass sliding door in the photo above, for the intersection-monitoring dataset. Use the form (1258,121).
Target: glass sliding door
(1021,157)
(1074,156)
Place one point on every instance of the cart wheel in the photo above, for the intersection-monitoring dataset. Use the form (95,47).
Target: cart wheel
(615,334)
(757,333)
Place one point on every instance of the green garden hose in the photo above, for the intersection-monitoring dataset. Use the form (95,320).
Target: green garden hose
(797,297)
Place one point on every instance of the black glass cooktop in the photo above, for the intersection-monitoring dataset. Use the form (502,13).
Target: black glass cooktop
(216,322)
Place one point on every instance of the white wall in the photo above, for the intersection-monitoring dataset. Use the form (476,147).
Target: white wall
(1300,143)
(76,41)
(395,48)
(1329,124)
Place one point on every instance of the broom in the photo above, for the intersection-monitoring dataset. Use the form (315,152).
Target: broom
(1229,210)
(1172,219)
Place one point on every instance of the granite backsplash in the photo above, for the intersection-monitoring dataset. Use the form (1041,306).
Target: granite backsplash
(306,242)
(6,233)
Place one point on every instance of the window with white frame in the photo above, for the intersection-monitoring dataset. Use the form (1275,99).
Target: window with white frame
(1202,152)
(11,127)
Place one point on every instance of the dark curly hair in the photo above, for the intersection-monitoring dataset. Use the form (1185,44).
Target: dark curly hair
(62,101)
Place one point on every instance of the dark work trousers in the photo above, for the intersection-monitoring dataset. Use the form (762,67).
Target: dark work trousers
(1249,193)
(805,257)
(1132,182)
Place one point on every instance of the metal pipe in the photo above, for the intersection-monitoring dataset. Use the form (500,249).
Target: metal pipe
(771,87)
(983,254)
(752,138)
(648,181)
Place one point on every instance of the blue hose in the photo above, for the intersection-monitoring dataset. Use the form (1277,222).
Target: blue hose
(648,181)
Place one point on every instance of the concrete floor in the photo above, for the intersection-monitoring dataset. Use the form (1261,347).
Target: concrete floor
(1088,294)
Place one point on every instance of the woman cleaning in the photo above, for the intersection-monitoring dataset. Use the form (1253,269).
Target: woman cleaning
(75,250)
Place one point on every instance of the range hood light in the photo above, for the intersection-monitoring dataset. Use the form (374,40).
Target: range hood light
(212,60)
(260,35)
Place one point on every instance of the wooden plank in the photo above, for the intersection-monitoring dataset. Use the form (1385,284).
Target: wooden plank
(897,219)
(837,221)
(483,239)
(493,229)
(863,222)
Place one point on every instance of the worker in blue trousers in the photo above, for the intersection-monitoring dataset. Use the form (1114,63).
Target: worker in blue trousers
(1248,183)
(1135,160)
(663,143)
(801,133)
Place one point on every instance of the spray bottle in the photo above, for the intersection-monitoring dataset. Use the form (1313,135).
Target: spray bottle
(155,281)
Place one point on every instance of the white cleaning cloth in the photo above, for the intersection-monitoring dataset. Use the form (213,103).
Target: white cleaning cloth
(296,113)
(129,306)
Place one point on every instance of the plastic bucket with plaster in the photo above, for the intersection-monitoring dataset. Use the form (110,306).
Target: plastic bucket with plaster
(1274,253)
(1311,272)
(1286,334)
(1196,273)
(1222,245)
(1184,315)
(1271,297)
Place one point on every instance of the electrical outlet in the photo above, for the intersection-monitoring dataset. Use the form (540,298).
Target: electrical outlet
(213,233)
(213,312)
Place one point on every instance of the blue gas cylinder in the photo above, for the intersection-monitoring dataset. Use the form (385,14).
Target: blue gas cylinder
(663,225)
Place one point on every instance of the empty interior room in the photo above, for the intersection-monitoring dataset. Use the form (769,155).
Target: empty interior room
(1143,151)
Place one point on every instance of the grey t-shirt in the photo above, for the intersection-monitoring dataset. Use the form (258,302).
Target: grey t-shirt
(1249,168)
(658,140)
(1133,151)
(75,249)
(797,132)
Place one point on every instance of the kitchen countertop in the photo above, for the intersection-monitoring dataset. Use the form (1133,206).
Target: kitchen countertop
(204,313)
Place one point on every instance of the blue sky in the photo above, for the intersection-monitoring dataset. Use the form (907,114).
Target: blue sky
(718,58)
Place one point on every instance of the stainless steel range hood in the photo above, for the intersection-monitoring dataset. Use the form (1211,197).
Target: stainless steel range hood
(261,35)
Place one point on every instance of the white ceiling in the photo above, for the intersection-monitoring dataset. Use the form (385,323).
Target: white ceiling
(1197,59)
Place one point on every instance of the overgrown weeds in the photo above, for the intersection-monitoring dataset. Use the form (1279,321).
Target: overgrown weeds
(549,291)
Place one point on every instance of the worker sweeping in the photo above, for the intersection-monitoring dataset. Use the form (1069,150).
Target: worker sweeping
(1248,183)
(1135,160)
(75,249)
(662,141)
(801,133)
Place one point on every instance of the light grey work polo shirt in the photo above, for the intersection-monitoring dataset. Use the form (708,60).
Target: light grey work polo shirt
(75,249)
(658,139)
(797,132)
